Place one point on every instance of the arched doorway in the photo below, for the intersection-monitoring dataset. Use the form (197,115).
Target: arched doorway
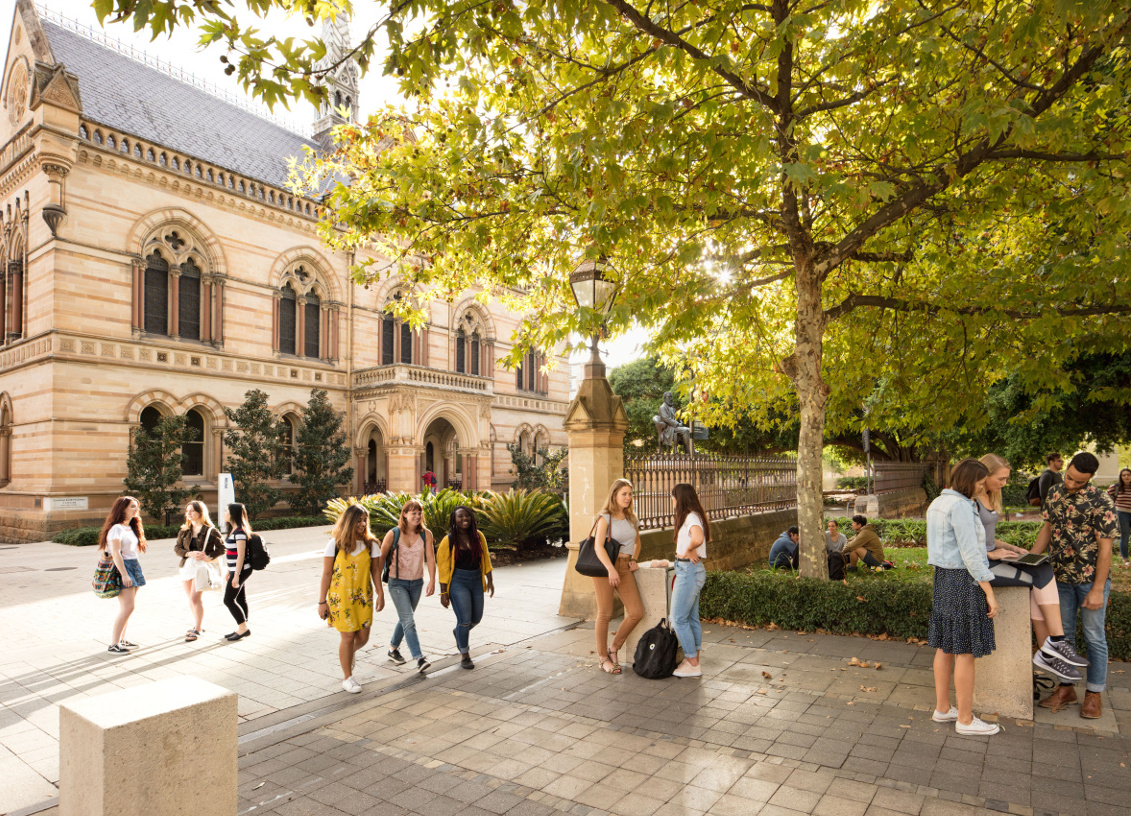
(376,464)
(441,454)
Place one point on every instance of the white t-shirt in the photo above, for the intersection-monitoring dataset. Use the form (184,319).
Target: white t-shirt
(683,540)
(124,534)
(332,548)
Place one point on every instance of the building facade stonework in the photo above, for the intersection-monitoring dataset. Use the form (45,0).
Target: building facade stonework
(154,262)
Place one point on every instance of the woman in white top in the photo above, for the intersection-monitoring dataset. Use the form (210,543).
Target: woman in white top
(618,522)
(408,549)
(693,531)
(349,573)
(123,536)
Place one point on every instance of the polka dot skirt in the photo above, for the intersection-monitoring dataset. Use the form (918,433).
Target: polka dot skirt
(958,615)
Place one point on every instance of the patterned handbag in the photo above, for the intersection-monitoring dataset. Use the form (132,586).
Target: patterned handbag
(107,581)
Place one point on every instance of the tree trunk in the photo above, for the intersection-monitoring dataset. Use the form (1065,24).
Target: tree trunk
(804,369)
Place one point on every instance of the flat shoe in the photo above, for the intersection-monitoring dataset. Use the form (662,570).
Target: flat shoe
(234,636)
(191,635)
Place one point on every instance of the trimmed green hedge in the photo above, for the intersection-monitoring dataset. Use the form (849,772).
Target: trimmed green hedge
(898,609)
(88,536)
(913,532)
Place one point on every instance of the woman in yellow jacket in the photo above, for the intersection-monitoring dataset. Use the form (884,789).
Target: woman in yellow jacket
(464,567)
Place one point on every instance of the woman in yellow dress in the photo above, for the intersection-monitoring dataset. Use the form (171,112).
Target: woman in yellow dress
(349,574)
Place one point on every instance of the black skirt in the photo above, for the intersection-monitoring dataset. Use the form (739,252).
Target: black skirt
(958,615)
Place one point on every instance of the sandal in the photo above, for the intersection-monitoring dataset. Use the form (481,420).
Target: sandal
(606,664)
(613,656)
(191,635)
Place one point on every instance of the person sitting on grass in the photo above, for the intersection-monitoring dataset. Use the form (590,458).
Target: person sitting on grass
(865,545)
(785,552)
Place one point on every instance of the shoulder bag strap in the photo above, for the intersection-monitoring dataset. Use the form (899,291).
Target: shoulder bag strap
(396,548)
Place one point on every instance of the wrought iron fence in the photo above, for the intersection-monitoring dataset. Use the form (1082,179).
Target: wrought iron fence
(727,485)
(379,486)
(899,475)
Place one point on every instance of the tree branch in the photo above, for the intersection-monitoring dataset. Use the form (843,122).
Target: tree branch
(856,301)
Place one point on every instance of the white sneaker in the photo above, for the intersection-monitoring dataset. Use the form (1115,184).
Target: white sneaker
(351,685)
(949,716)
(685,669)
(977,728)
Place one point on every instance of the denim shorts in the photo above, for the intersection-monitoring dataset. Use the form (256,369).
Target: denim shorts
(133,569)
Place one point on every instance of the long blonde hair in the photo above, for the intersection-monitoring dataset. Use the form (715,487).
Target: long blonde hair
(344,532)
(200,507)
(993,464)
(611,503)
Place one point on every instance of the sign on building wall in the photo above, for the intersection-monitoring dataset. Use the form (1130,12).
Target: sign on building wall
(65,503)
(225,495)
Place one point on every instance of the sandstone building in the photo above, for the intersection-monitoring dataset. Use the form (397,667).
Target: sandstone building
(154,262)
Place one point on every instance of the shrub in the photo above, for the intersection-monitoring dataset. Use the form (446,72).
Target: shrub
(385,508)
(521,517)
(913,532)
(852,482)
(897,609)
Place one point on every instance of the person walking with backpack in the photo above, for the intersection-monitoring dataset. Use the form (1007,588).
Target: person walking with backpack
(406,550)
(618,522)
(349,575)
(963,606)
(198,542)
(123,537)
(1120,493)
(693,531)
(239,570)
(464,566)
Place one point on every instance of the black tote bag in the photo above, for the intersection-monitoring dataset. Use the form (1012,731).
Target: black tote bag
(587,561)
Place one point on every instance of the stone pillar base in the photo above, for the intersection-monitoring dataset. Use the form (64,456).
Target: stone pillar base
(1003,681)
(168,747)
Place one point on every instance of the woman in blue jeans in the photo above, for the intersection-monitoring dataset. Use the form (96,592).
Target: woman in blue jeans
(407,549)
(693,531)
(464,565)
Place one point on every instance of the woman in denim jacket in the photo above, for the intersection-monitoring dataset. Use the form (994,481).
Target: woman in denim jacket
(963,606)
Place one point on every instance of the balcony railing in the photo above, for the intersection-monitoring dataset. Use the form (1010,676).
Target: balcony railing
(402,373)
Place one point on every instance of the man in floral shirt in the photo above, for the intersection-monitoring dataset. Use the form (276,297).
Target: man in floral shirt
(1079,528)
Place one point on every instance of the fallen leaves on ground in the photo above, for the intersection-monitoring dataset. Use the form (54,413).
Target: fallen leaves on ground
(767,675)
(867,688)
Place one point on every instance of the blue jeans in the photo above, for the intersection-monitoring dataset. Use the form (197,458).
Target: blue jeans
(1071,596)
(1124,531)
(405,595)
(689,580)
(466,594)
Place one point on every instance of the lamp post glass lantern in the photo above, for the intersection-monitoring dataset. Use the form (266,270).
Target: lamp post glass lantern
(594,287)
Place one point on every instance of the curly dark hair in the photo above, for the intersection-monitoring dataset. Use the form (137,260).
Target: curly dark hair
(455,534)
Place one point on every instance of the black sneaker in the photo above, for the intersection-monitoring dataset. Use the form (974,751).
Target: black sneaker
(118,648)
(129,645)
(422,664)
(465,662)
(1065,651)
(1057,667)
(396,657)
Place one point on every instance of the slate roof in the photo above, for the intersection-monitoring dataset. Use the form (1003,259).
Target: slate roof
(124,94)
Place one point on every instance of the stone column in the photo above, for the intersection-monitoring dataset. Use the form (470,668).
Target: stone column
(138,295)
(174,301)
(218,321)
(595,423)
(300,331)
(206,308)
(362,455)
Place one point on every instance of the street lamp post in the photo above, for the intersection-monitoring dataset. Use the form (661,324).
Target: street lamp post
(595,423)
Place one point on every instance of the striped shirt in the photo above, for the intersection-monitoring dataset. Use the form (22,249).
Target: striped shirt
(1122,500)
(231,548)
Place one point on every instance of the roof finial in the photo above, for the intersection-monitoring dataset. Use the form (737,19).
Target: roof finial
(340,80)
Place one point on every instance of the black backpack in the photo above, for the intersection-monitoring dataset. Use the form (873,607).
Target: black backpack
(256,553)
(836,566)
(1033,492)
(392,555)
(655,656)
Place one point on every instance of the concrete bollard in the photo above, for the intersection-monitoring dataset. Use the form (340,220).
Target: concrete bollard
(654,585)
(1003,681)
(168,747)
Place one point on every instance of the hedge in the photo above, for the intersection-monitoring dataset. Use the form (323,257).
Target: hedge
(913,532)
(897,609)
(88,536)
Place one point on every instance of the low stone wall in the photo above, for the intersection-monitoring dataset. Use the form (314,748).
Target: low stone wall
(894,504)
(736,542)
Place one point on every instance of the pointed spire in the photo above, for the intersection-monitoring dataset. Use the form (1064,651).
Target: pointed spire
(341,82)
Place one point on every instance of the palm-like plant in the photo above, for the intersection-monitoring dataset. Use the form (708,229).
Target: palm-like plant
(518,517)
(385,508)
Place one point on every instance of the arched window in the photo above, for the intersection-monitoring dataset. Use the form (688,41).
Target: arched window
(288,315)
(149,156)
(5,439)
(188,308)
(176,163)
(149,418)
(125,146)
(163,160)
(12,287)
(287,443)
(528,374)
(193,447)
(110,142)
(82,132)
(137,151)
(406,344)
(156,294)
(473,352)
(98,137)
(461,352)
(313,319)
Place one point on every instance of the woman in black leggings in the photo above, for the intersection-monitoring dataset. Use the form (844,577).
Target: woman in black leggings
(235,591)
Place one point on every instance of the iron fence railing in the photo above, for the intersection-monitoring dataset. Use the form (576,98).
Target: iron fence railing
(727,485)
(379,486)
(898,475)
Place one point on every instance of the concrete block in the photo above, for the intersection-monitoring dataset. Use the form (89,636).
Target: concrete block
(654,585)
(168,748)
(1003,681)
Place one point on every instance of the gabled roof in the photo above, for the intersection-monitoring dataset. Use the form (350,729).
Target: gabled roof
(122,93)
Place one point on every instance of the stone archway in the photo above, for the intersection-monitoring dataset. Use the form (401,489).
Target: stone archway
(442,453)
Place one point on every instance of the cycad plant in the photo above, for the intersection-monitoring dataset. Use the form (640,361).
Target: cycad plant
(520,517)
(385,508)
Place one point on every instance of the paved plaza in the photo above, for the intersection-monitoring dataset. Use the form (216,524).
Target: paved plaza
(781,724)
